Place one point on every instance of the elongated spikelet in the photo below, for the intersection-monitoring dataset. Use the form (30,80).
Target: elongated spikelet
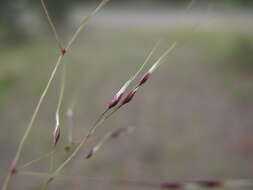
(56,135)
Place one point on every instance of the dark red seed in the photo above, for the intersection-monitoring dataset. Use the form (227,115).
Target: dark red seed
(129,97)
(210,183)
(116,133)
(144,78)
(57,134)
(89,154)
(63,51)
(114,101)
(171,185)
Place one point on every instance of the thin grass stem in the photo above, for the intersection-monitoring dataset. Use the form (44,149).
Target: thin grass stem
(30,125)
(12,169)
(56,36)
(110,135)
(42,157)
(85,22)
(128,82)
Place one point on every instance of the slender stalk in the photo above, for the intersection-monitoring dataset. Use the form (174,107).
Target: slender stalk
(36,160)
(128,82)
(110,135)
(83,141)
(56,36)
(57,116)
(85,22)
(97,124)
(12,169)
(30,125)
(57,113)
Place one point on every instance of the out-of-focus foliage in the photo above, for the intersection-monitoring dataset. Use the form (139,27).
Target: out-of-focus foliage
(241,55)
(57,8)
(11,29)
(10,26)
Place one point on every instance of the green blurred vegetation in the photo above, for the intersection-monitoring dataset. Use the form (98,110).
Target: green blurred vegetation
(241,54)
(12,30)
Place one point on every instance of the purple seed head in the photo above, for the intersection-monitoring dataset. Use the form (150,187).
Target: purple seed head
(210,183)
(144,78)
(116,133)
(89,154)
(129,97)
(171,186)
(56,134)
(114,101)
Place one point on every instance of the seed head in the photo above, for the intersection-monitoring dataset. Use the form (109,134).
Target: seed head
(118,132)
(114,101)
(144,78)
(56,134)
(129,97)
(89,154)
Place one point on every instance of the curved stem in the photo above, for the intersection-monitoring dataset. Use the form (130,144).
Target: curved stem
(30,125)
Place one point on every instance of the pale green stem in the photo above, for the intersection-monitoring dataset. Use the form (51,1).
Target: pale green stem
(30,125)
(57,113)
(159,61)
(132,78)
(34,115)
(57,38)
(107,137)
(36,160)
(84,23)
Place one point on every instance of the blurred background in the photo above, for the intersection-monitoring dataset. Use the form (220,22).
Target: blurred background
(192,120)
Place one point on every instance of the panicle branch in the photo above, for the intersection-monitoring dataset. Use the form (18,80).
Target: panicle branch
(42,97)
(56,36)
(111,135)
(147,75)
